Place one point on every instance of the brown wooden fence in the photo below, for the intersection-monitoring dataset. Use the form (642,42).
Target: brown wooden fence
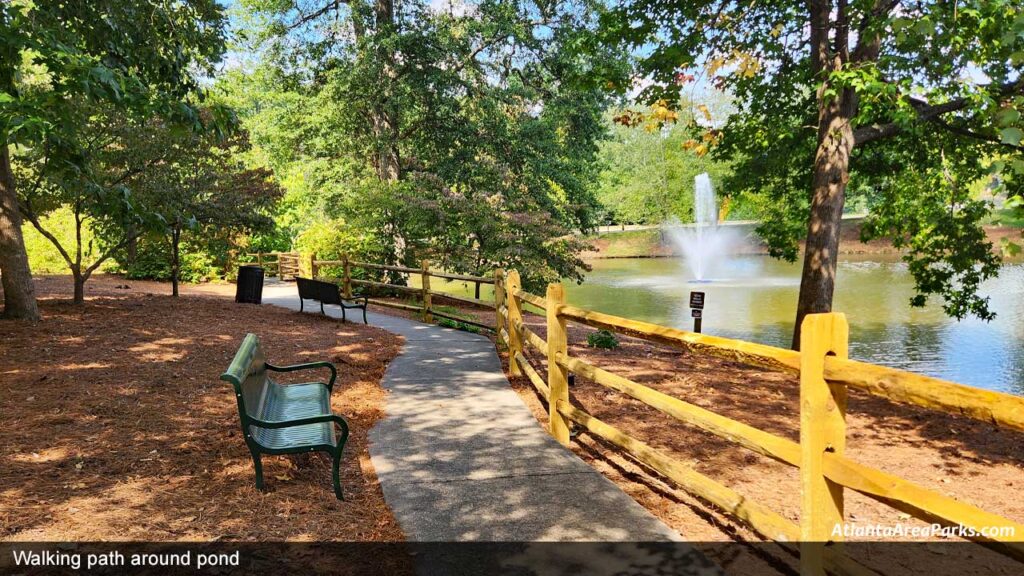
(424,292)
(284,265)
(825,376)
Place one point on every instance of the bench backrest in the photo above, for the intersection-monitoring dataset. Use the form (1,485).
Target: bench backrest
(248,375)
(326,292)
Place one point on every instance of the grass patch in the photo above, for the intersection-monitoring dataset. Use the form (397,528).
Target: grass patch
(629,244)
(1006,217)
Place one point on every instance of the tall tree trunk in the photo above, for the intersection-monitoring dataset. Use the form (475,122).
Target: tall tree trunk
(79,280)
(131,250)
(175,260)
(19,294)
(831,175)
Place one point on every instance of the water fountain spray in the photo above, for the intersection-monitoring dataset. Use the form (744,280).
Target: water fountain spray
(704,243)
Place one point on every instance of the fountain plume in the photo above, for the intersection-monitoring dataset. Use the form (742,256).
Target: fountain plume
(704,244)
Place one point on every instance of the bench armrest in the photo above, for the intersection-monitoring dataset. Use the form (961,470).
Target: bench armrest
(307,366)
(301,422)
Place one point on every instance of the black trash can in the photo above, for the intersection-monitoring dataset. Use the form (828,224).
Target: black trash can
(250,285)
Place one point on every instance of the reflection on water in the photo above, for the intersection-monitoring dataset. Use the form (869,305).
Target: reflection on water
(755,300)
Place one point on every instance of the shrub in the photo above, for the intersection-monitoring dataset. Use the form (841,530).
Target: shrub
(445,322)
(153,262)
(329,241)
(602,339)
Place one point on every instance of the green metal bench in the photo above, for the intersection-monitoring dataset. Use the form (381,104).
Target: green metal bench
(284,418)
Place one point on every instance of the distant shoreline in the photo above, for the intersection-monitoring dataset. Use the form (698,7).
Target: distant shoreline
(650,243)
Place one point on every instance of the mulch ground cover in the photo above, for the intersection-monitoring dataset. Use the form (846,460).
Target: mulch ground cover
(115,426)
(965,459)
(968,460)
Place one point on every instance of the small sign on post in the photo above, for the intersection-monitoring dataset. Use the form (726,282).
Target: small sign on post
(697,300)
(697,309)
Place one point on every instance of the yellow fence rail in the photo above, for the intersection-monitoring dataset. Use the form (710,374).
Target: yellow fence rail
(825,375)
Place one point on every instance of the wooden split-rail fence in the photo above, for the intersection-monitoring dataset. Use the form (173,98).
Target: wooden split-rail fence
(826,374)
(424,292)
(284,265)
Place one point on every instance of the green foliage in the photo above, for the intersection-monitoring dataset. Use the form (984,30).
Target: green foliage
(420,128)
(933,97)
(153,262)
(447,323)
(602,339)
(332,239)
(136,55)
(647,175)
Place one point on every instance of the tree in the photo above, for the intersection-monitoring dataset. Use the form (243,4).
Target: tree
(467,136)
(203,185)
(56,55)
(826,88)
(647,174)
(93,185)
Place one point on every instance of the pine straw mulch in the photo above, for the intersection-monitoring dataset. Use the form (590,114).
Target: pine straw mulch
(966,459)
(959,457)
(116,426)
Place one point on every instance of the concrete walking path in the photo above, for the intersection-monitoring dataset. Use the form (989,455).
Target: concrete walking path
(461,458)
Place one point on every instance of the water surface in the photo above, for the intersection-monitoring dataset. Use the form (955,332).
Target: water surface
(754,298)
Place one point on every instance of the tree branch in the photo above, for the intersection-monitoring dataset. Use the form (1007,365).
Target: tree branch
(971,134)
(925,112)
(31,216)
(819,21)
(110,252)
(305,18)
(869,44)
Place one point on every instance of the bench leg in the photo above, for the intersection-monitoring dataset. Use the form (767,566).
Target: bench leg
(335,470)
(322,309)
(364,315)
(301,304)
(343,319)
(258,464)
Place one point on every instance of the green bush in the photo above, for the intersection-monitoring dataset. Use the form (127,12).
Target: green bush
(330,240)
(153,262)
(446,323)
(602,339)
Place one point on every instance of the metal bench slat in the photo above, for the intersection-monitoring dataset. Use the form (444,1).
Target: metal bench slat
(259,398)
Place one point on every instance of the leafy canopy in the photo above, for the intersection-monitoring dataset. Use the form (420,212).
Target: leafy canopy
(937,96)
(468,136)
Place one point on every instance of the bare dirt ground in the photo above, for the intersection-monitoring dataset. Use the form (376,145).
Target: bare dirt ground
(115,425)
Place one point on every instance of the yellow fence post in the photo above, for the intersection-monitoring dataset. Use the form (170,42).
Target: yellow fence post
(499,301)
(425,285)
(558,376)
(312,265)
(259,259)
(346,276)
(514,319)
(822,429)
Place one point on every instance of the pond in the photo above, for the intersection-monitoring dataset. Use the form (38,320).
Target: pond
(754,298)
